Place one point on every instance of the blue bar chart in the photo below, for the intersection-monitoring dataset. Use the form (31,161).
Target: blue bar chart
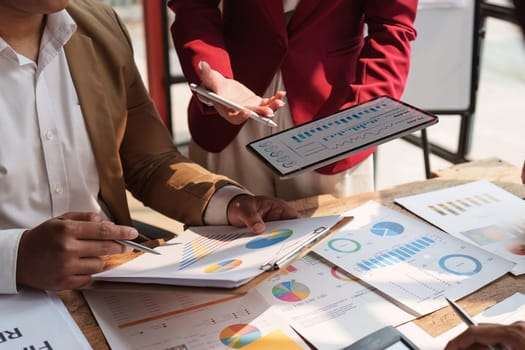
(396,255)
(409,260)
(343,132)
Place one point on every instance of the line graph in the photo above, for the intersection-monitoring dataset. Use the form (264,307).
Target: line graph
(334,136)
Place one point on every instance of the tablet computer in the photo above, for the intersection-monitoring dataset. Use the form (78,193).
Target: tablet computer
(328,139)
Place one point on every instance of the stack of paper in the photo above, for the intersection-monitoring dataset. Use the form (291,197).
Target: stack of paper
(480,213)
(185,319)
(219,256)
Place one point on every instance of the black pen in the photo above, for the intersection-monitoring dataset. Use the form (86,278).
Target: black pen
(470,321)
(137,246)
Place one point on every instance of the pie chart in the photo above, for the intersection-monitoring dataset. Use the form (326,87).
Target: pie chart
(223,266)
(269,239)
(290,291)
(238,335)
(387,228)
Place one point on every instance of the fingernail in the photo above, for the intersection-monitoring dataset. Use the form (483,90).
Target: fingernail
(203,65)
(130,232)
(258,227)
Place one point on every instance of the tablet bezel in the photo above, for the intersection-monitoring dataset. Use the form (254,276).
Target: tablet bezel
(315,165)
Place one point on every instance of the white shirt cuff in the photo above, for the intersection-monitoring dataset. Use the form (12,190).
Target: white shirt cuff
(9,240)
(216,212)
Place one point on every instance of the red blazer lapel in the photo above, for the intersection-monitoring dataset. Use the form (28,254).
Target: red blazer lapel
(274,13)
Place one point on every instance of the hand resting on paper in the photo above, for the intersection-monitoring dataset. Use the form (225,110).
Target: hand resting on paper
(250,211)
(63,252)
(239,93)
(480,337)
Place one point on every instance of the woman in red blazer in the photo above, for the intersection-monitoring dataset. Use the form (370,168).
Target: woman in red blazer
(316,50)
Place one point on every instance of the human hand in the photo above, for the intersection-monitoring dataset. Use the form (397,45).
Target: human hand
(250,211)
(480,337)
(240,94)
(63,252)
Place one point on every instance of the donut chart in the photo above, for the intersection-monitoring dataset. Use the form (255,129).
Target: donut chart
(269,239)
(238,335)
(290,291)
(460,264)
(344,245)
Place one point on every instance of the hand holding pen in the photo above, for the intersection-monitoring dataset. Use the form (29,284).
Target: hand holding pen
(492,336)
(65,251)
(234,101)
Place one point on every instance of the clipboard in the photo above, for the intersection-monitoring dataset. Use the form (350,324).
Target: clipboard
(328,139)
(225,256)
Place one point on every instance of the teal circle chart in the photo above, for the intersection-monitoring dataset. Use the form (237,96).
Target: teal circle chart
(460,264)
(387,228)
(269,239)
(344,245)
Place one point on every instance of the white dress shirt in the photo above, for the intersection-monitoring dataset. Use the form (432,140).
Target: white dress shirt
(47,167)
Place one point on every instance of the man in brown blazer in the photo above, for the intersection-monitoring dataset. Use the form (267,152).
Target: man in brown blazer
(77,129)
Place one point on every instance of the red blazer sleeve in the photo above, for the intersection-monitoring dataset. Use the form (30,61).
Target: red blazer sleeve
(197,36)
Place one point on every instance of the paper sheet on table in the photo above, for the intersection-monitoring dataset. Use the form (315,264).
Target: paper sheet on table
(31,318)
(181,319)
(326,305)
(480,213)
(409,260)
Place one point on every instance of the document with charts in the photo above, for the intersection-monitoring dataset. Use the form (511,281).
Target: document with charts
(219,256)
(409,260)
(480,213)
(182,319)
(31,318)
(326,305)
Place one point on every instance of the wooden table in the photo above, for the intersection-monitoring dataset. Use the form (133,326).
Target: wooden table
(500,173)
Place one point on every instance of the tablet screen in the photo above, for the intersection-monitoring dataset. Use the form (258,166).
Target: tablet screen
(327,139)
